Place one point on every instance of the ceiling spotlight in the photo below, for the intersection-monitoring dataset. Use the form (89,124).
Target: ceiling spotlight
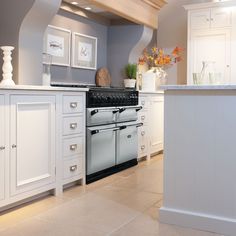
(88,8)
(74,3)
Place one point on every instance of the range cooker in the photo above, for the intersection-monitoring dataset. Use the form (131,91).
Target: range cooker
(111,132)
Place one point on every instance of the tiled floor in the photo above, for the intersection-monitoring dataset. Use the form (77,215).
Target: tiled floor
(123,204)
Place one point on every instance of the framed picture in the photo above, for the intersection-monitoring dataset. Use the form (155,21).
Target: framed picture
(84,51)
(57,43)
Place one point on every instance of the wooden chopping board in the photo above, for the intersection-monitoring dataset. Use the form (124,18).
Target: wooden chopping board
(103,77)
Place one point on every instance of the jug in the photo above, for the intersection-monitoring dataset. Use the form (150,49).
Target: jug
(208,72)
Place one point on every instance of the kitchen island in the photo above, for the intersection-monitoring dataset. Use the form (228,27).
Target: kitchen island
(200,157)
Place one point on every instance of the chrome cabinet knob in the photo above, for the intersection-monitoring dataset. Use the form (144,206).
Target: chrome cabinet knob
(73,104)
(73,168)
(143,133)
(143,147)
(2,148)
(73,125)
(142,117)
(73,147)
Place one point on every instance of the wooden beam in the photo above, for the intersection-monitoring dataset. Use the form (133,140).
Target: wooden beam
(138,11)
(81,12)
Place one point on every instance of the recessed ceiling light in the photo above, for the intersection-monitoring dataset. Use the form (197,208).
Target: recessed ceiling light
(74,3)
(88,8)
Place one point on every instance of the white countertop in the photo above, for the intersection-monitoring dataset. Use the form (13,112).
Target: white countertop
(151,92)
(199,87)
(42,88)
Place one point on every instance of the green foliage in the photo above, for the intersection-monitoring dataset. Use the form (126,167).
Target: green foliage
(131,70)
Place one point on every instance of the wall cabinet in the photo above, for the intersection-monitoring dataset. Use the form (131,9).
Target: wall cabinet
(152,117)
(210,38)
(2,147)
(32,145)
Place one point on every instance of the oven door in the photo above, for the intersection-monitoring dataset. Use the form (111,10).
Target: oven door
(100,116)
(127,142)
(128,113)
(100,148)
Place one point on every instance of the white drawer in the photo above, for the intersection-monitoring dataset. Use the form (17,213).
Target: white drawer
(72,168)
(73,125)
(143,101)
(143,117)
(72,104)
(72,146)
(143,132)
(143,147)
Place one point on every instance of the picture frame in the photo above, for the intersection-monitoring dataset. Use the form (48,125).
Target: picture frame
(84,51)
(57,43)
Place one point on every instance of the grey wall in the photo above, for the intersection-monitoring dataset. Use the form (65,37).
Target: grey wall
(11,17)
(172,31)
(81,25)
(121,40)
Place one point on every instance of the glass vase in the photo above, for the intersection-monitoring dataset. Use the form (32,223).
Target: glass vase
(208,72)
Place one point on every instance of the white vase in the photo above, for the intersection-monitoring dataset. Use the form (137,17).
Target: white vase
(7,66)
(158,75)
(129,83)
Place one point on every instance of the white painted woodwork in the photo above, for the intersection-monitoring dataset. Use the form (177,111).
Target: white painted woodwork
(211,45)
(150,135)
(2,147)
(73,104)
(199,159)
(32,153)
(211,37)
(156,119)
(72,125)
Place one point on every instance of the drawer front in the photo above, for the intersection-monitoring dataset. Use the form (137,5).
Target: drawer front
(143,132)
(143,101)
(143,117)
(73,125)
(72,168)
(72,104)
(72,146)
(143,146)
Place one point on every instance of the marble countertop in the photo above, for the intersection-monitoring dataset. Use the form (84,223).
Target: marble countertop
(151,92)
(43,88)
(199,87)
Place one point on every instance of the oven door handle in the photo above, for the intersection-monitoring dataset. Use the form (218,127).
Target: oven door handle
(96,131)
(125,126)
(95,111)
(136,108)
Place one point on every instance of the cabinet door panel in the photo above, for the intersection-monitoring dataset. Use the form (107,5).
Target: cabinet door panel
(200,19)
(32,162)
(157,123)
(2,145)
(211,45)
(220,17)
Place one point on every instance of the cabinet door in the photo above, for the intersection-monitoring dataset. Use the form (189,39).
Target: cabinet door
(2,148)
(156,123)
(210,45)
(220,17)
(200,19)
(32,139)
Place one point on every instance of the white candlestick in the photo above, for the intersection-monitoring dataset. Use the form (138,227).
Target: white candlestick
(7,66)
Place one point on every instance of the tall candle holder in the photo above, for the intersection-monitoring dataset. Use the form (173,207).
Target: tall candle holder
(7,66)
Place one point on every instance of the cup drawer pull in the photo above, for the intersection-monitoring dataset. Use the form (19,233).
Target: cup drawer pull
(73,104)
(143,102)
(73,147)
(73,125)
(142,147)
(142,117)
(143,133)
(73,168)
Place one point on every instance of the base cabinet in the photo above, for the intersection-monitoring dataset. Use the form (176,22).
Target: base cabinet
(2,147)
(32,145)
(152,117)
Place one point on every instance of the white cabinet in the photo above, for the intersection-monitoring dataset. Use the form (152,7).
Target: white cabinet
(73,137)
(152,117)
(210,39)
(2,147)
(210,18)
(32,142)
(156,120)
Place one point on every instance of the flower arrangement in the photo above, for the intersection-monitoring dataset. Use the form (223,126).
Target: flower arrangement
(157,57)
